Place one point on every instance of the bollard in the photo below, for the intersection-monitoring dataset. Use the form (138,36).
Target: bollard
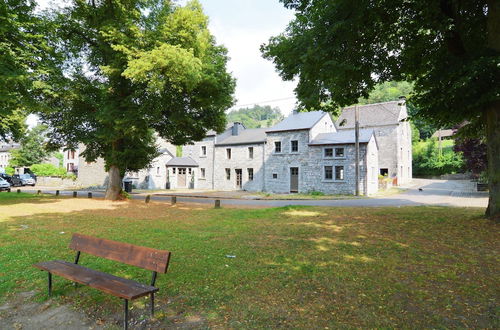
(57,192)
(89,195)
(8,190)
(217,204)
(74,193)
(174,200)
(18,191)
(39,192)
(148,198)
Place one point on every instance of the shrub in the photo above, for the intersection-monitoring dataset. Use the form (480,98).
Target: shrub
(316,193)
(428,161)
(48,170)
(9,170)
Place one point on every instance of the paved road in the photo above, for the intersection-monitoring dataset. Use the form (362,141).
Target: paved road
(459,193)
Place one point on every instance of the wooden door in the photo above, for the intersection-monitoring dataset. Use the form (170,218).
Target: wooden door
(181,178)
(294,179)
(239,178)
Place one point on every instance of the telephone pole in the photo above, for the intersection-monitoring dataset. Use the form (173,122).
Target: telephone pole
(356,133)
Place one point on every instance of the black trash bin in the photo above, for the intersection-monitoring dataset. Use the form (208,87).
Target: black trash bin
(127,186)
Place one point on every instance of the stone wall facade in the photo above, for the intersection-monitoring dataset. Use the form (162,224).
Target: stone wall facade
(311,162)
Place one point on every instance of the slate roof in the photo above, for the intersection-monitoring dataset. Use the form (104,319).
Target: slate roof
(342,137)
(444,133)
(245,136)
(298,121)
(228,126)
(182,161)
(377,114)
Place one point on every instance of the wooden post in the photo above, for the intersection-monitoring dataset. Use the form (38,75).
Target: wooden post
(8,190)
(39,192)
(356,133)
(89,195)
(74,194)
(148,198)
(18,191)
(217,204)
(57,192)
(174,200)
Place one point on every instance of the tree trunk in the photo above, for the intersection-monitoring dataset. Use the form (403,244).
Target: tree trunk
(493,147)
(114,184)
(493,119)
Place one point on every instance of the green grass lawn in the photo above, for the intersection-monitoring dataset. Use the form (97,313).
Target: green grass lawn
(296,267)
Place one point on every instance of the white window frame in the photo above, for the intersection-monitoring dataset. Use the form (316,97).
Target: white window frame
(248,173)
(291,147)
(281,147)
(251,152)
(203,154)
(324,153)
(324,173)
(335,153)
(335,173)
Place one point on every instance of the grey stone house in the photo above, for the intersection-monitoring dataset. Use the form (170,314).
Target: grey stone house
(389,121)
(302,153)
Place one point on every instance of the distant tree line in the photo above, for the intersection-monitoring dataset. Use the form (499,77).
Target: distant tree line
(256,116)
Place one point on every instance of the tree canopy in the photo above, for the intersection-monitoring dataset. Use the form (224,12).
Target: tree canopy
(134,70)
(338,50)
(25,61)
(256,116)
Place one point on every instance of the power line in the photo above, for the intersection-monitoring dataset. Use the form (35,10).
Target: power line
(261,102)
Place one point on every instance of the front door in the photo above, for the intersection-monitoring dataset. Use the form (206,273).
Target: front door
(294,179)
(181,178)
(239,178)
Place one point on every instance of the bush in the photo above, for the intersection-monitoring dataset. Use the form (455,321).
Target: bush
(427,161)
(316,193)
(51,170)
(9,170)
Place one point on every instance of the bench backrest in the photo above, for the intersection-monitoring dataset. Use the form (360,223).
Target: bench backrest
(144,257)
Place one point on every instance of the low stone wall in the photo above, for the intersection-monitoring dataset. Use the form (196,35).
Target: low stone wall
(55,181)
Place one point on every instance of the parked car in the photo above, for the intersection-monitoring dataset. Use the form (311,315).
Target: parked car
(16,180)
(12,180)
(4,185)
(27,180)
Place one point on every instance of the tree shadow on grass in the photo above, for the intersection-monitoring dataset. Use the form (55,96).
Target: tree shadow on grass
(289,261)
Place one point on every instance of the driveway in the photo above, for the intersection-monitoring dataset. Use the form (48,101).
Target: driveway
(458,193)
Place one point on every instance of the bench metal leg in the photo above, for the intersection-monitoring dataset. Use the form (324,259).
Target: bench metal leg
(152,304)
(50,283)
(125,321)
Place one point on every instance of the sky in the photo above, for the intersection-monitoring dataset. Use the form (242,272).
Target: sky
(242,26)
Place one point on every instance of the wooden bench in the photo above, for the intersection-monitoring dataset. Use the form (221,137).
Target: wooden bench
(143,257)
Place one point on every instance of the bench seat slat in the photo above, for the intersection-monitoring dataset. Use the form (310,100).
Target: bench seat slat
(116,286)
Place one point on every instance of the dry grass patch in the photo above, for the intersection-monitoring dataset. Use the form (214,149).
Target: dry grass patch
(297,267)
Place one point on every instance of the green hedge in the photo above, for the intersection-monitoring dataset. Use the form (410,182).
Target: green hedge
(427,161)
(50,170)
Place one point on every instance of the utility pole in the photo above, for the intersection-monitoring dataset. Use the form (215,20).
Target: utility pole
(356,133)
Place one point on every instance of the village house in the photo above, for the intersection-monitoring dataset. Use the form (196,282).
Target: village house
(5,155)
(306,152)
(389,121)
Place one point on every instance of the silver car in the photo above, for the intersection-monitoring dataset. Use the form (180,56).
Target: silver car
(4,185)
(27,180)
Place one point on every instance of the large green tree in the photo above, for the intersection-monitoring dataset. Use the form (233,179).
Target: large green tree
(32,150)
(134,70)
(338,50)
(25,58)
